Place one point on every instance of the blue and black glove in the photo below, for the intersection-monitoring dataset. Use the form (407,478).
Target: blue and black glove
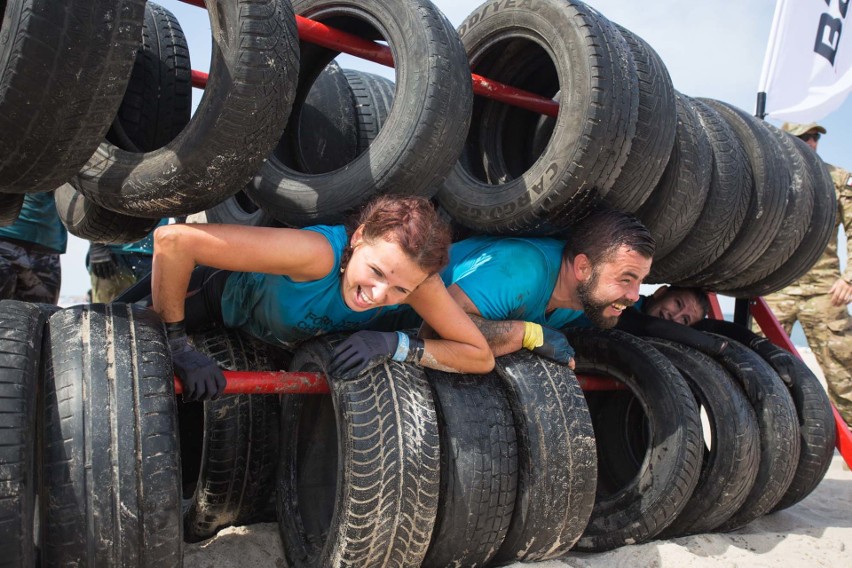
(200,376)
(102,261)
(547,342)
(364,350)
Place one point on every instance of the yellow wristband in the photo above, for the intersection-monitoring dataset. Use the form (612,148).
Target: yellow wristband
(533,335)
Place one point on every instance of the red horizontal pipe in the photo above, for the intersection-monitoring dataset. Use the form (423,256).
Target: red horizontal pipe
(199,79)
(334,39)
(270,382)
(282,382)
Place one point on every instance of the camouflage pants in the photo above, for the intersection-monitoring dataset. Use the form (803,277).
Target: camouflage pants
(28,275)
(130,268)
(829,332)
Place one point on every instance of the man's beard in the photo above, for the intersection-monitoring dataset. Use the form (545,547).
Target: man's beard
(593,308)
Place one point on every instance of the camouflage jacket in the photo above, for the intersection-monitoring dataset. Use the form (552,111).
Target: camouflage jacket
(827,269)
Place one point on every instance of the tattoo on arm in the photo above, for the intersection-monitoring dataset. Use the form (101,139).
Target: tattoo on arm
(497,333)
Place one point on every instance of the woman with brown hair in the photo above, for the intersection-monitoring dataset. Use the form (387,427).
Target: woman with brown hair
(286,285)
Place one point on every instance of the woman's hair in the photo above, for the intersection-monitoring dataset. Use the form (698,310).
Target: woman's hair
(410,222)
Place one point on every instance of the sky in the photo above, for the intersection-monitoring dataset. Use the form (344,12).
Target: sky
(711,49)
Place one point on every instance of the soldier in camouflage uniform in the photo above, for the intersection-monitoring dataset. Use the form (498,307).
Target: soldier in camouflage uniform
(29,252)
(819,299)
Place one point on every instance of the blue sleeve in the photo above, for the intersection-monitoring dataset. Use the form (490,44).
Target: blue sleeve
(508,280)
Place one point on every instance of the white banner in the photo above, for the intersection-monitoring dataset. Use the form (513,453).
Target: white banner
(807,72)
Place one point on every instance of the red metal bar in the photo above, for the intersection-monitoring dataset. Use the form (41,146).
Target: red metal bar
(715,308)
(270,382)
(770,326)
(775,333)
(199,79)
(595,383)
(282,382)
(334,39)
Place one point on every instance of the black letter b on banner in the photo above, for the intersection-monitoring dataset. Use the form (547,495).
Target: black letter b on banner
(829,31)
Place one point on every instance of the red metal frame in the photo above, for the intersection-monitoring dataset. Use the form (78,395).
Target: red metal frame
(283,382)
(331,38)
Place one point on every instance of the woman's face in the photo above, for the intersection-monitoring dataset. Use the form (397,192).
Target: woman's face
(378,274)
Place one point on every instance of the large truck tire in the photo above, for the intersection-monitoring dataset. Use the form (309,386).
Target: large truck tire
(359,470)
(111,484)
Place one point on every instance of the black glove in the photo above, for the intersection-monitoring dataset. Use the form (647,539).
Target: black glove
(201,377)
(102,261)
(551,344)
(365,349)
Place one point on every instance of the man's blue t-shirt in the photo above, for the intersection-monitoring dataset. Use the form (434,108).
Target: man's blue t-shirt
(280,311)
(510,278)
(38,223)
(506,278)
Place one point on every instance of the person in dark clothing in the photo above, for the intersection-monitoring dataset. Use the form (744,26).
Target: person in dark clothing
(30,270)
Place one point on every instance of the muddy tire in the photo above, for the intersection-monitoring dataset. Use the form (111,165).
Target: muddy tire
(797,217)
(778,427)
(556,458)
(817,236)
(816,419)
(729,465)
(327,131)
(111,494)
(63,70)
(157,103)
(85,219)
(425,129)
(655,128)
(676,203)
(508,180)
(230,445)
(22,327)
(634,504)
(479,469)
(360,469)
(244,109)
(767,201)
(724,210)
